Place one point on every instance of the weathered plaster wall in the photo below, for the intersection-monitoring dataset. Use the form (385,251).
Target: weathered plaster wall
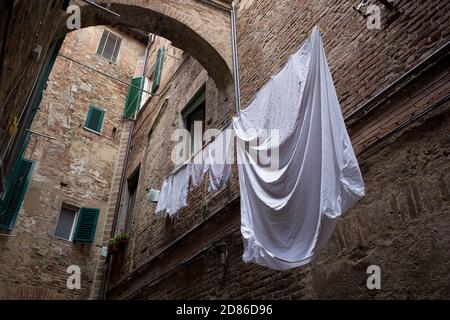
(76,168)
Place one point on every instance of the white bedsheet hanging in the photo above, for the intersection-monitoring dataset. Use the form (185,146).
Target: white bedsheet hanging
(164,197)
(288,213)
(174,192)
(219,159)
(198,169)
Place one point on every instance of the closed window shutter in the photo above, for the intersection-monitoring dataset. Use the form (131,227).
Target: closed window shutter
(94,119)
(116,50)
(109,46)
(86,225)
(134,97)
(101,46)
(15,194)
(158,70)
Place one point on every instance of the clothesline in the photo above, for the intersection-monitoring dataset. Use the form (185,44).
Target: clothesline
(289,211)
(198,151)
(175,188)
(322,30)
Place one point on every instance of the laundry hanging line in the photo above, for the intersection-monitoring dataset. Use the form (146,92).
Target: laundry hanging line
(322,30)
(288,213)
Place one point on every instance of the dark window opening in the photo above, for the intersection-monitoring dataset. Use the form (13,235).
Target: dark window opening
(194,120)
(66,222)
(133,182)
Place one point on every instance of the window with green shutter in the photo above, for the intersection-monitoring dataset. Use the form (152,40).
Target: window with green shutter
(15,194)
(94,119)
(133,102)
(86,225)
(158,70)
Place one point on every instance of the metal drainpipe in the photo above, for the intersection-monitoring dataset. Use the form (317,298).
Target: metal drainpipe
(237,87)
(122,180)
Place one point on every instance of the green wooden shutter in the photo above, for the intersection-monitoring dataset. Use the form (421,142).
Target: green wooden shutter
(134,96)
(158,70)
(194,103)
(86,225)
(94,119)
(15,194)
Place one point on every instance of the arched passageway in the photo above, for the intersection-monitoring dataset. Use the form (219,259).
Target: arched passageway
(199,28)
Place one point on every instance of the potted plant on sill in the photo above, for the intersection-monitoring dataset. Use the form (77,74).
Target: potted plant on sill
(117,242)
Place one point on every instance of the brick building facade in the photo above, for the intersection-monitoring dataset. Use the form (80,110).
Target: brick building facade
(394,226)
(393,86)
(74,155)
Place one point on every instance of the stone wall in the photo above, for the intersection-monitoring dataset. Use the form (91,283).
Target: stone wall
(75,168)
(34,23)
(396,226)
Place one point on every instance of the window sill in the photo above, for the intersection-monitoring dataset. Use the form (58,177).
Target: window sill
(93,131)
(63,239)
(107,60)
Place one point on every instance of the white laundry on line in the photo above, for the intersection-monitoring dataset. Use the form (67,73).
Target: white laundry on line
(218,160)
(174,192)
(215,159)
(198,169)
(288,213)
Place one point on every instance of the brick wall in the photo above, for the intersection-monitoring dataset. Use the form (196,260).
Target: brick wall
(35,24)
(75,168)
(362,61)
(400,225)
(170,255)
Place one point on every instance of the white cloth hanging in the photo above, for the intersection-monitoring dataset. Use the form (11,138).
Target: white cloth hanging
(164,196)
(288,212)
(174,192)
(180,189)
(219,159)
(198,169)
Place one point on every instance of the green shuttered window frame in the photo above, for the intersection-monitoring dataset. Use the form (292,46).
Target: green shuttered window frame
(86,225)
(134,97)
(94,119)
(195,102)
(13,199)
(158,70)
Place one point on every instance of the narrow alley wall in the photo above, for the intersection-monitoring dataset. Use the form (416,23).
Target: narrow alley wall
(401,223)
(74,169)
(35,24)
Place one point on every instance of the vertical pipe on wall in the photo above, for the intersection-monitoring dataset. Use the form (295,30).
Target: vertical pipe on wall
(237,87)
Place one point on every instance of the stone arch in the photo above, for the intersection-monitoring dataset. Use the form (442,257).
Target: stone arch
(202,30)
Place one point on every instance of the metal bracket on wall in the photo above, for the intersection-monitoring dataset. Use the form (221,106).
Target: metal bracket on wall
(389,4)
(359,7)
(13,126)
